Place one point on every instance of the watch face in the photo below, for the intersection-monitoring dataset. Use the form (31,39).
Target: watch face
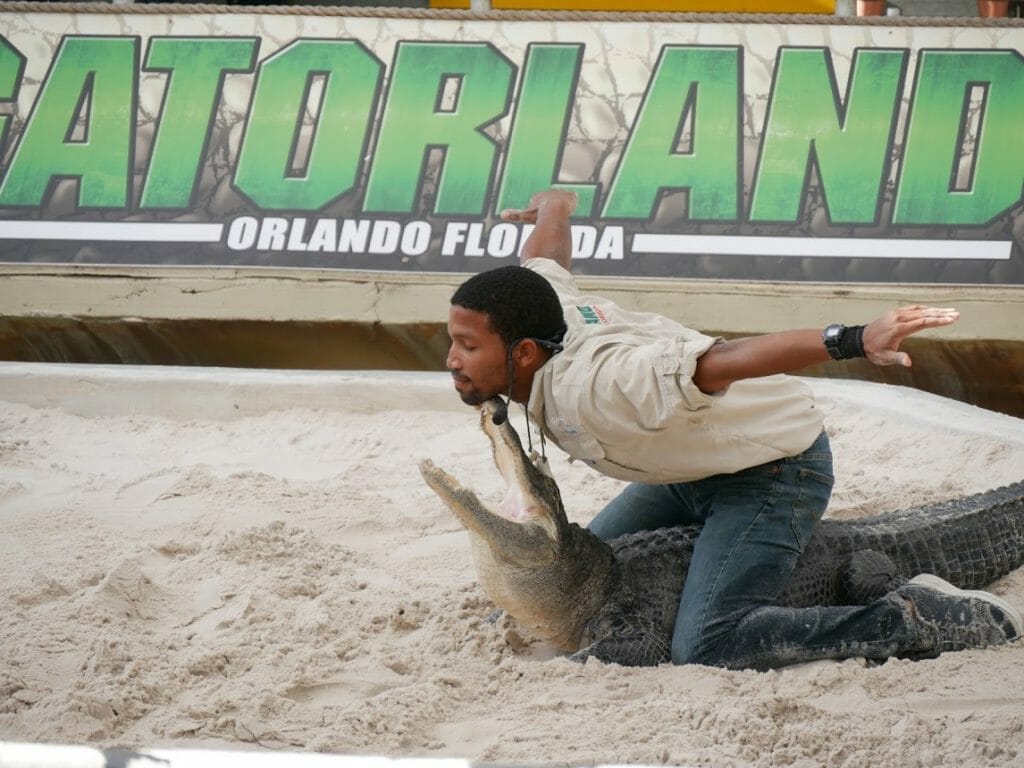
(832,336)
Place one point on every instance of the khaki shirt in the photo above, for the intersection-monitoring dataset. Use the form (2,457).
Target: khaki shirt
(620,396)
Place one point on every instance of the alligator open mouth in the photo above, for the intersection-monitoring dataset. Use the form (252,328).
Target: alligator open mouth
(545,572)
(531,499)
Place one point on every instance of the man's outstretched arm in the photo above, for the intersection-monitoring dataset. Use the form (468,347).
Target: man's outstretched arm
(789,351)
(745,358)
(551,238)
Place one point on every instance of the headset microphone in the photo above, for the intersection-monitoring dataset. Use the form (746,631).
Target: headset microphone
(500,415)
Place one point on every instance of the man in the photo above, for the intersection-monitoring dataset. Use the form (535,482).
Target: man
(706,431)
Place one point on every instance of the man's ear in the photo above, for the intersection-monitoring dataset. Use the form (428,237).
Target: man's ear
(528,352)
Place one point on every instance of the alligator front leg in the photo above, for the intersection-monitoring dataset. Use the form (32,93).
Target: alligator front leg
(632,641)
(868,575)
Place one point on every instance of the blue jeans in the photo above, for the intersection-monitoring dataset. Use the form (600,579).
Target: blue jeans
(756,523)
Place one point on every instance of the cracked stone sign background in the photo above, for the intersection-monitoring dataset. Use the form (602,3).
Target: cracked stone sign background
(803,152)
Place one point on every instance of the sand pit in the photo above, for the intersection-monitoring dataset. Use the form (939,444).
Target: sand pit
(250,560)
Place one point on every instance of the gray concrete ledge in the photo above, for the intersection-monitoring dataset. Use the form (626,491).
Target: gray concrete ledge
(987,312)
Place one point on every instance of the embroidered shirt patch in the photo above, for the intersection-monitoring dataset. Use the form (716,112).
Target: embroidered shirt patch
(592,315)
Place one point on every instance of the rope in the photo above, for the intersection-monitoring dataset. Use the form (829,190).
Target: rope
(546,15)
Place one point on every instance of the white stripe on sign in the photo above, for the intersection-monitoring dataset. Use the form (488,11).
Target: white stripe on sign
(823,247)
(111,231)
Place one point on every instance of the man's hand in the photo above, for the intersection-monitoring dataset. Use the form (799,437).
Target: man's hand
(882,337)
(562,201)
(551,238)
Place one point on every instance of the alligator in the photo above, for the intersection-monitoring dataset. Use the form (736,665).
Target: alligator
(616,600)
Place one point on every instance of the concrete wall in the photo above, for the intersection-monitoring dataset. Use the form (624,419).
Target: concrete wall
(395,298)
(344,320)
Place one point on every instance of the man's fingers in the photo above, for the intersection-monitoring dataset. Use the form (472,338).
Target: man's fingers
(930,321)
(882,338)
(527,215)
(908,320)
(934,315)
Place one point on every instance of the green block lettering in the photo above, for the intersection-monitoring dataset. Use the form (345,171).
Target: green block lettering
(81,126)
(196,68)
(807,125)
(537,139)
(350,77)
(423,111)
(927,191)
(704,83)
(12,67)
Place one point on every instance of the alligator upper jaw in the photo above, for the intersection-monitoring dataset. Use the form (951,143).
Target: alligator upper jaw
(528,525)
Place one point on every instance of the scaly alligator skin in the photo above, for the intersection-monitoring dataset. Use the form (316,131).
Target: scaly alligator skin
(617,600)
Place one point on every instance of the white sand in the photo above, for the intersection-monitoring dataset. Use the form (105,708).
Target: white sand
(251,560)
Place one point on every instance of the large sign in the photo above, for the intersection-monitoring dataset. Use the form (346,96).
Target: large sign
(842,152)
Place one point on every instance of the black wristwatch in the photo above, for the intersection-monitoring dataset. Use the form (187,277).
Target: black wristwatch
(844,343)
(833,337)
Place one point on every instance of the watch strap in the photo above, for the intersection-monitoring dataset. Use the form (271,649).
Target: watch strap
(842,342)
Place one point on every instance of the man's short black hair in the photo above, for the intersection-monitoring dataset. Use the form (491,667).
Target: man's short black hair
(517,301)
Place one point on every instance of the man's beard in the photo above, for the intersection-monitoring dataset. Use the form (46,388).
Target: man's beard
(473,398)
(470,396)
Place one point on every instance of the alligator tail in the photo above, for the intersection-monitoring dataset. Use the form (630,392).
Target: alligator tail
(969,541)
